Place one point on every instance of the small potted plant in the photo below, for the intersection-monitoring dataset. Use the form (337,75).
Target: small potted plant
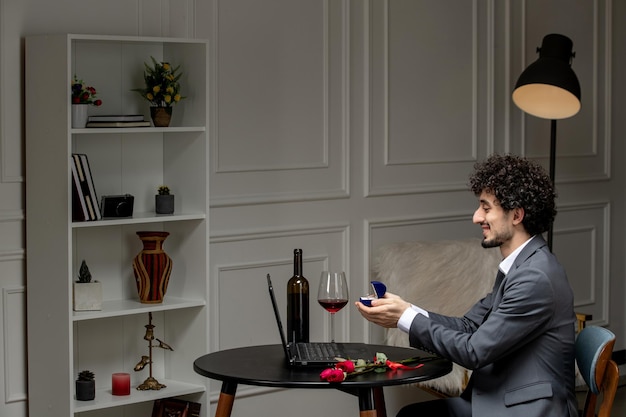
(164,201)
(87,294)
(162,90)
(82,97)
(85,386)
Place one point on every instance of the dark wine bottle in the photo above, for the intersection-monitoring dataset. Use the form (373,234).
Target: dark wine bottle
(297,302)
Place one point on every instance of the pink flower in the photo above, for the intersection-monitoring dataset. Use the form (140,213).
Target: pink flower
(346,366)
(333,375)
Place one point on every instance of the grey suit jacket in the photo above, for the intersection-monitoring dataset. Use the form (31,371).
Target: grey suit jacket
(518,340)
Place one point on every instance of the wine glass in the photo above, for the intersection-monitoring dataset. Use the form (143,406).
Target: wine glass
(333,295)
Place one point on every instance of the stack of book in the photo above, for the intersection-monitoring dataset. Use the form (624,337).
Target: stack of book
(121,120)
(84,198)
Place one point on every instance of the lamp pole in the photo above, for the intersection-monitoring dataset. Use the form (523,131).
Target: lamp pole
(552,173)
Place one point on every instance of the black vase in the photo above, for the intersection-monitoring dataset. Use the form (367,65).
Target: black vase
(85,390)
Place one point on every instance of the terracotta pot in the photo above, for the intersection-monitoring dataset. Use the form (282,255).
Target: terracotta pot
(161,116)
(152,268)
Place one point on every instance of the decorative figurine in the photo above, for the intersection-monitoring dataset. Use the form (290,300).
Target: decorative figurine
(150,383)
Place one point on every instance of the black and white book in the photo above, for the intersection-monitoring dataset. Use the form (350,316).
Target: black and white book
(79,206)
(143,123)
(86,187)
(92,189)
(82,188)
(116,118)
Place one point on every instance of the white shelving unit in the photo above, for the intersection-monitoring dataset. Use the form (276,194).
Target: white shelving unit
(62,342)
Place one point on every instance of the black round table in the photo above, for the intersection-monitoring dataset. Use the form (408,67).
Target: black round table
(266,366)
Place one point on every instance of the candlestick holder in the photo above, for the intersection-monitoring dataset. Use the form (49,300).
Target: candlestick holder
(150,383)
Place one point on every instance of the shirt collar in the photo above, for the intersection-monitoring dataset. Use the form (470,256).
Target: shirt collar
(507,262)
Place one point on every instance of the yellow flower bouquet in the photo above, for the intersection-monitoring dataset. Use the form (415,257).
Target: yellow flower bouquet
(162,87)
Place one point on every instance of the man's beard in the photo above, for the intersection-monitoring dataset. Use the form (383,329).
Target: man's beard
(493,243)
(497,240)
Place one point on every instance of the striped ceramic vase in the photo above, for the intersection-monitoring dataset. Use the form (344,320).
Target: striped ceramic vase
(152,267)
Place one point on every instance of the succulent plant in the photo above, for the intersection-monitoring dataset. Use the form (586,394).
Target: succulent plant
(86,376)
(164,190)
(83,273)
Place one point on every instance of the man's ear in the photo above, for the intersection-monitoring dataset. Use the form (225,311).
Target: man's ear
(518,215)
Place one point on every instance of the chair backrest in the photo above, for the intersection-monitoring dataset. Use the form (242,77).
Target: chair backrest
(594,347)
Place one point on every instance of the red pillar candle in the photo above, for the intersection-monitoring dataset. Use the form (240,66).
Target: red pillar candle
(121,383)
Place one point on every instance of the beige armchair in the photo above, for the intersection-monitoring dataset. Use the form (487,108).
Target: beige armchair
(445,276)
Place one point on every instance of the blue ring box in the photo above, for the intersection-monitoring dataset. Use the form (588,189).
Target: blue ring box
(378,291)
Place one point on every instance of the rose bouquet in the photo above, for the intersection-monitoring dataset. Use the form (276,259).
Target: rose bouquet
(84,94)
(345,368)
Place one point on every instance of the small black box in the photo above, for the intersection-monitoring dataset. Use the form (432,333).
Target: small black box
(117,205)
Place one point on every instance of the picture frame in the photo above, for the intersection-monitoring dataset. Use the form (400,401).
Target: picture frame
(174,407)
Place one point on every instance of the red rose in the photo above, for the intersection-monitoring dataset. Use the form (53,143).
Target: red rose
(333,375)
(346,366)
(97,102)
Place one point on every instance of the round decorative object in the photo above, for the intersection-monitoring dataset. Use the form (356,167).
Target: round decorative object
(161,116)
(152,268)
(79,115)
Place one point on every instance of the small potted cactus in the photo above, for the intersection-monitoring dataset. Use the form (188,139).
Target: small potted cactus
(85,386)
(87,293)
(164,201)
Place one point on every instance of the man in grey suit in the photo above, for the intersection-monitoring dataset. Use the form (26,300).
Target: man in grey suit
(519,339)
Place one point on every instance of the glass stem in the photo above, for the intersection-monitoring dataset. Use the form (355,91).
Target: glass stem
(332,327)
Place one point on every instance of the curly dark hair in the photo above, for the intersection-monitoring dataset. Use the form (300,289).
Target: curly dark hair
(517,183)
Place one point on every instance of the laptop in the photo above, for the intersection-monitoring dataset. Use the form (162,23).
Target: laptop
(314,354)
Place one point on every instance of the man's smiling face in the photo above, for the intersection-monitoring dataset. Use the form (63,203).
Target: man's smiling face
(497,224)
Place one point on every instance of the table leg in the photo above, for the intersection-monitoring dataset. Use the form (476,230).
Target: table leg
(226,399)
(379,402)
(367,403)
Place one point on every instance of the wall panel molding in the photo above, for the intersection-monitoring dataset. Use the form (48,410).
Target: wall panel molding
(10,133)
(12,230)
(429,156)
(241,260)
(14,343)
(582,244)
(274,157)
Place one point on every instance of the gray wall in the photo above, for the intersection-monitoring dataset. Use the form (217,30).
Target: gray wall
(337,126)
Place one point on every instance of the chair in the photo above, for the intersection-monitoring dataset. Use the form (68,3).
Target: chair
(594,347)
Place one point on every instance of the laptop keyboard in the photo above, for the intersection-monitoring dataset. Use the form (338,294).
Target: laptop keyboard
(319,351)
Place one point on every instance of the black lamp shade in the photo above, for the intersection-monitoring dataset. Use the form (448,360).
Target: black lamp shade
(549,88)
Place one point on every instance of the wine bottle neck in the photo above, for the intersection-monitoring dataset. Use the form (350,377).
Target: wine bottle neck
(297,262)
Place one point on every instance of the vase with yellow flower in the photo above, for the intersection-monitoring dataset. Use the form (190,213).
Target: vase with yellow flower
(162,90)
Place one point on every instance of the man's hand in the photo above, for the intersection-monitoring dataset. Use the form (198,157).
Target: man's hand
(384,311)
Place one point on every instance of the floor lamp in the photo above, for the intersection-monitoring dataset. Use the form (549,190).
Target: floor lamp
(549,89)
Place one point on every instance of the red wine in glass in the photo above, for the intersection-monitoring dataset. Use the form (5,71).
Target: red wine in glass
(333,295)
(333,306)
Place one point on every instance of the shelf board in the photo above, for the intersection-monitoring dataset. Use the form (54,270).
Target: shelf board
(173,129)
(115,308)
(104,398)
(139,218)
